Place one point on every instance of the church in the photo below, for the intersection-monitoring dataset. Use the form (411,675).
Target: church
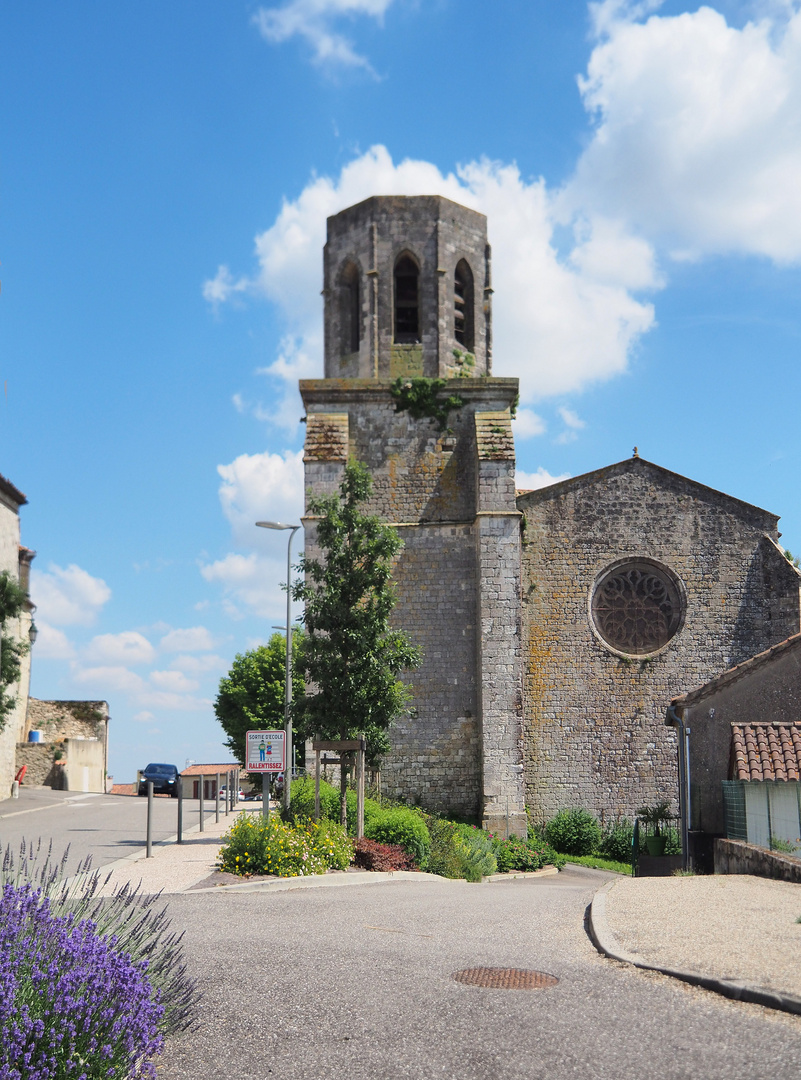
(555,625)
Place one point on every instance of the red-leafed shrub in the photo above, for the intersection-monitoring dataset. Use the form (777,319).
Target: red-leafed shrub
(371,855)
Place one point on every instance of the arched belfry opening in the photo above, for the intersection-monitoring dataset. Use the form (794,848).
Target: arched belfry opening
(350,318)
(406,321)
(406,281)
(463,306)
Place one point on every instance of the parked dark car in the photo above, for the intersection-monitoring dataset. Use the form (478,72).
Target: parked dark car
(164,777)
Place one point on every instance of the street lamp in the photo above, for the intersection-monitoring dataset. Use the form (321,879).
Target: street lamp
(288,676)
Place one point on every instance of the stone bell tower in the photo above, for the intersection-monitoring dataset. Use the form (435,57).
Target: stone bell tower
(407,293)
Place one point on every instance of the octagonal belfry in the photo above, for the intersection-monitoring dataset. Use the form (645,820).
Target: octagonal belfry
(407,282)
(407,295)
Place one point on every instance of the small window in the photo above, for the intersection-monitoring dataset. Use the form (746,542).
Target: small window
(351,311)
(407,301)
(463,306)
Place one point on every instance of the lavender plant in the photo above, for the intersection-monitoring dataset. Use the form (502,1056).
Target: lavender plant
(89,985)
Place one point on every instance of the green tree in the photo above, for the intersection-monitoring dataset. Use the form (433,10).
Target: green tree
(12,602)
(351,657)
(251,695)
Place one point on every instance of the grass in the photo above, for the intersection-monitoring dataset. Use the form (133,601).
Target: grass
(598,863)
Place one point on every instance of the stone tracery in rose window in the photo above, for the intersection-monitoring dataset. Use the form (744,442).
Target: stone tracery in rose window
(637,607)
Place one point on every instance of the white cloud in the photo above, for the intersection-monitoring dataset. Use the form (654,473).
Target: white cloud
(250,580)
(144,717)
(527,424)
(109,677)
(52,644)
(697,143)
(126,648)
(526,481)
(191,639)
(200,665)
(222,287)
(258,487)
(573,424)
(582,321)
(68,597)
(175,682)
(314,21)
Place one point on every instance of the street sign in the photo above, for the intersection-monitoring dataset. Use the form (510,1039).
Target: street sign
(265,751)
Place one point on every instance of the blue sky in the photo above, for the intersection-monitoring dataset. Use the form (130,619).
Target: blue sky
(165,175)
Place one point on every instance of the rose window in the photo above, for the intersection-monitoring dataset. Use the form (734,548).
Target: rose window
(637,607)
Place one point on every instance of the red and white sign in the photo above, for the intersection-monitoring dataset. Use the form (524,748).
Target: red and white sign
(265,751)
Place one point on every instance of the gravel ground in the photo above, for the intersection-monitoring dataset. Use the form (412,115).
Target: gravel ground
(734,927)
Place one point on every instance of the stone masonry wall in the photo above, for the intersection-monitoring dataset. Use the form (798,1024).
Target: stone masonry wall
(426,483)
(594,720)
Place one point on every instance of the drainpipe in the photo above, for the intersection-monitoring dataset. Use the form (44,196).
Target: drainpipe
(675,718)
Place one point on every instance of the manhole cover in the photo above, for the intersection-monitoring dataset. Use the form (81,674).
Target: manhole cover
(506,978)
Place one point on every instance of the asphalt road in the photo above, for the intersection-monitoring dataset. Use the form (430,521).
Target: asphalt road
(357,982)
(108,827)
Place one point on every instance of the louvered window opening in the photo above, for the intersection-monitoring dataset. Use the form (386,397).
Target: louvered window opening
(407,302)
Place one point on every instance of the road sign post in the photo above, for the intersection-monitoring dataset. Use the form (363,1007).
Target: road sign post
(265,753)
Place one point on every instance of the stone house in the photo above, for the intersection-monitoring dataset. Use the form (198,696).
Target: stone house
(16,560)
(554,624)
(745,750)
(72,751)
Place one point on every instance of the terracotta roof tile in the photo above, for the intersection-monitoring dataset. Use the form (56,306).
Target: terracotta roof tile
(766,751)
(210,770)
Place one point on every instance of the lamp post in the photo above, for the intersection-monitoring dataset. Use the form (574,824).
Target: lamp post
(288,676)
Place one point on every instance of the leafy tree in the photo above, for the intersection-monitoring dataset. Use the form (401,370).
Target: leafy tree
(251,695)
(12,602)
(351,657)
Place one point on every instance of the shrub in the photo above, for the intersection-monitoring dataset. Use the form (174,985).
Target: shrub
(459,851)
(139,927)
(616,842)
(371,855)
(330,840)
(88,985)
(445,856)
(474,847)
(69,999)
(573,832)
(301,803)
(255,845)
(524,855)
(400,825)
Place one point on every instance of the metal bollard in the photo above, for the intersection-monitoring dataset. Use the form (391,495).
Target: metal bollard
(202,806)
(217,801)
(180,837)
(149,839)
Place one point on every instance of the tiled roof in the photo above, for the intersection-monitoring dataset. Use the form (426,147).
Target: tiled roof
(11,492)
(210,770)
(494,440)
(766,751)
(326,437)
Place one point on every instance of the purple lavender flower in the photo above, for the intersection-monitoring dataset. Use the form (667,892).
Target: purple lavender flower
(72,1006)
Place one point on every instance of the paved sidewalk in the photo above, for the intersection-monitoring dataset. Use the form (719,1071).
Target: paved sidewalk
(735,934)
(174,867)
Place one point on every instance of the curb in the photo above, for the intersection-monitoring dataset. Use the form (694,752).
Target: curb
(604,941)
(321,881)
(520,875)
(369,877)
